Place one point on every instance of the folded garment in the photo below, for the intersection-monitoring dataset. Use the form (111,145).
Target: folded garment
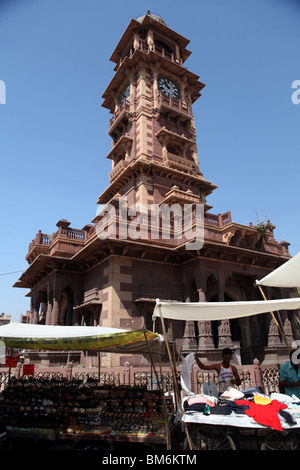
(249,392)
(282,397)
(200,407)
(232,394)
(262,400)
(201,398)
(288,417)
(227,409)
(220,410)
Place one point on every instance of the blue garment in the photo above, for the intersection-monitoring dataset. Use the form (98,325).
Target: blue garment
(289,374)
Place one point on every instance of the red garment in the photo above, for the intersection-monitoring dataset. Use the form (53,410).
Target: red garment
(264,414)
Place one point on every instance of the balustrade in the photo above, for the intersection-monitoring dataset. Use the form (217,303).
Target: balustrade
(266,378)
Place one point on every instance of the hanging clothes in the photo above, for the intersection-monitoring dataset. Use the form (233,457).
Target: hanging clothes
(186,373)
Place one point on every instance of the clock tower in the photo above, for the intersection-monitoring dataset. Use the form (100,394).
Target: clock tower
(111,272)
(154,152)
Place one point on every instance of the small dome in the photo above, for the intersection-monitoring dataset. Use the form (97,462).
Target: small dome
(154,16)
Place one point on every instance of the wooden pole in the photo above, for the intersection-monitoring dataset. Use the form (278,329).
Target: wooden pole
(174,358)
(161,390)
(174,375)
(165,406)
(99,364)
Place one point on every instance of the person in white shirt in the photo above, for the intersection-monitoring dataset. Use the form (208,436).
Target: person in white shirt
(227,373)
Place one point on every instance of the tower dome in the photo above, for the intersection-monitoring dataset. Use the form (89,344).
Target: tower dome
(154,16)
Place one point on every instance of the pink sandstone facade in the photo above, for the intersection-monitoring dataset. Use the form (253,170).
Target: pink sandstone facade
(77,277)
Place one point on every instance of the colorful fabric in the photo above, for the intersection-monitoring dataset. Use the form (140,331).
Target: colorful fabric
(265,414)
(260,400)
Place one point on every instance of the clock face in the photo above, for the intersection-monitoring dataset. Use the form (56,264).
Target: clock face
(168,87)
(125,94)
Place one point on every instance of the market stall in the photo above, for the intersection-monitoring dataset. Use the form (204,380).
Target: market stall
(78,412)
(242,419)
(212,426)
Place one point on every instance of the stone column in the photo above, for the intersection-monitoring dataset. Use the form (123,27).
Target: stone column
(273,335)
(224,332)
(48,313)
(43,311)
(189,343)
(204,328)
(54,313)
(35,310)
(155,72)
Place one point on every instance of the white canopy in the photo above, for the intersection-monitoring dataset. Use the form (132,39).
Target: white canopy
(208,311)
(287,275)
(78,338)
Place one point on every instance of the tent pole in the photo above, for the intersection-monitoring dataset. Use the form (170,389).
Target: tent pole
(281,330)
(99,364)
(164,403)
(174,375)
(174,357)
(160,389)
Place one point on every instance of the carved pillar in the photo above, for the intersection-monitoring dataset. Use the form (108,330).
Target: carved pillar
(189,343)
(204,328)
(35,310)
(42,318)
(49,304)
(189,338)
(48,313)
(54,313)
(155,72)
(224,332)
(287,326)
(288,331)
(273,335)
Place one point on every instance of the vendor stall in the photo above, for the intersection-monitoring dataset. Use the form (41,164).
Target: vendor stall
(58,410)
(215,425)
(237,420)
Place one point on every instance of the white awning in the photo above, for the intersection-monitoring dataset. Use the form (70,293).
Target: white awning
(287,275)
(78,338)
(208,311)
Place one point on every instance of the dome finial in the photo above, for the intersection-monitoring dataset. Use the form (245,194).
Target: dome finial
(154,16)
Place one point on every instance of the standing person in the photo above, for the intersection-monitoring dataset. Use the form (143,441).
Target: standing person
(289,378)
(227,373)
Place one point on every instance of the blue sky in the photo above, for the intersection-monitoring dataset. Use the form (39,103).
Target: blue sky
(54,61)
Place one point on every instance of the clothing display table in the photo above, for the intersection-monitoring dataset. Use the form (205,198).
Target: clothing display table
(222,423)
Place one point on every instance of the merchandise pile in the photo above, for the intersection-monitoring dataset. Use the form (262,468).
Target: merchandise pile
(69,408)
(272,410)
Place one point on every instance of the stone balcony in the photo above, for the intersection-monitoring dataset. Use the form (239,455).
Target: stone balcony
(66,241)
(143,46)
(122,113)
(174,105)
(219,229)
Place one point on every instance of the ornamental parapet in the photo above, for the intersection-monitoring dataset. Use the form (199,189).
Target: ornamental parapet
(66,241)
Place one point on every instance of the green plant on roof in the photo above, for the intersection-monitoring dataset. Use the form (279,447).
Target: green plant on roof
(264,226)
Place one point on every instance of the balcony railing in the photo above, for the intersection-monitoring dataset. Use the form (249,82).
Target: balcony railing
(117,170)
(173,103)
(119,114)
(144,47)
(180,163)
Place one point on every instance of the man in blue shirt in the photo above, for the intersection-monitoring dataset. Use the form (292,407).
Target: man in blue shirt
(290,375)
